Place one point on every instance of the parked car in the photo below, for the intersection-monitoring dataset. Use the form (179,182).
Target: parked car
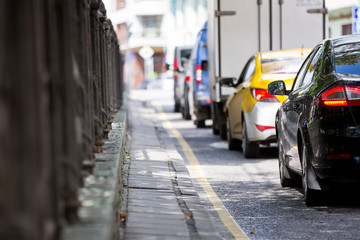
(318,126)
(199,93)
(181,58)
(250,110)
(184,102)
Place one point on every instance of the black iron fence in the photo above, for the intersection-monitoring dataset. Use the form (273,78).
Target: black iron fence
(60,85)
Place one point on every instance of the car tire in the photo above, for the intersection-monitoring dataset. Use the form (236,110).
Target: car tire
(233,144)
(285,181)
(250,149)
(177,107)
(311,197)
(223,132)
(187,115)
(200,123)
(215,131)
(215,119)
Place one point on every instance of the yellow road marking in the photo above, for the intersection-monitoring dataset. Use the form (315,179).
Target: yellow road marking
(224,215)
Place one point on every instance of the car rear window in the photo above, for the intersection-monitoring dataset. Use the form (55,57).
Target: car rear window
(185,53)
(347,59)
(281,65)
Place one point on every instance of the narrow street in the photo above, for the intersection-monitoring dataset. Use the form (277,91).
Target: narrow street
(250,188)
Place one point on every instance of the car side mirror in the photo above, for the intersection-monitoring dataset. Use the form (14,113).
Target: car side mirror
(227,82)
(277,88)
(167,67)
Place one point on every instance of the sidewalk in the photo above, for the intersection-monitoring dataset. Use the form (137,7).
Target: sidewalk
(161,200)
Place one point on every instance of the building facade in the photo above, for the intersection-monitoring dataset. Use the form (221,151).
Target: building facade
(158,24)
(340,17)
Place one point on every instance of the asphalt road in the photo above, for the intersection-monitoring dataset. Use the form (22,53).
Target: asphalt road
(251,192)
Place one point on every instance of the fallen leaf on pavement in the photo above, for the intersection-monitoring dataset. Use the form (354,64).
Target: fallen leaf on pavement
(253,232)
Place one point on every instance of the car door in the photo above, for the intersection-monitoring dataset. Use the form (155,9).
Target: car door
(236,105)
(294,107)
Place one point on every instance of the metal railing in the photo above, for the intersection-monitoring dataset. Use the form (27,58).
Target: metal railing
(60,86)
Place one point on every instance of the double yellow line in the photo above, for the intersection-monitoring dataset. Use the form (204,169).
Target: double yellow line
(224,215)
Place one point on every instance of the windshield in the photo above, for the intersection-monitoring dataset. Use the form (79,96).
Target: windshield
(281,65)
(347,59)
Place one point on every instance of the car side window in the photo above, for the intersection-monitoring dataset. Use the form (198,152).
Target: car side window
(303,70)
(313,67)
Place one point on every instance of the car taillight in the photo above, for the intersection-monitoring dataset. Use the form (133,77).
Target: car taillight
(340,96)
(339,156)
(176,64)
(262,95)
(198,74)
(334,97)
(187,78)
(353,95)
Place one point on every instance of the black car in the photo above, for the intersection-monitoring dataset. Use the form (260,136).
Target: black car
(318,126)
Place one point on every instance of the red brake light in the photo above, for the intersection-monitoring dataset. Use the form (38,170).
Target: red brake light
(263,96)
(176,64)
(187,78)
(198,74)
(339,156)
(334,97)
(353,95)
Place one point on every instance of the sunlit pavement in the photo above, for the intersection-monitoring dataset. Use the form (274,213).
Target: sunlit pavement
(251,191)
(161,202)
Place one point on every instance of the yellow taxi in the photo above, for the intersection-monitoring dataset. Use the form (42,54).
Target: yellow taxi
(251,110)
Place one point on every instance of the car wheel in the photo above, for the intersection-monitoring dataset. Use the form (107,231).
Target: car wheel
(187,115)
(177,107)
(250,149)
(232,143)
(285,177)
(311,197)
(215,130)
(223,132)
(200,123)
(215,120)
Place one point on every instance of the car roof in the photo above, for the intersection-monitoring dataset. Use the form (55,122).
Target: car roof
(344,40)
(285,53)
(184,47)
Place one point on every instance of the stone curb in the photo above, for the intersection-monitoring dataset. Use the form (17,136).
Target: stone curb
(99,215)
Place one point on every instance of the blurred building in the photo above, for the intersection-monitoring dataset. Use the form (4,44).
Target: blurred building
(187,18)
(340,16)
(158,24)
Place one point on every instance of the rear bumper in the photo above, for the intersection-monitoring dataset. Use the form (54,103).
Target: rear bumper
(336,159)
(203,112)
(263,114)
